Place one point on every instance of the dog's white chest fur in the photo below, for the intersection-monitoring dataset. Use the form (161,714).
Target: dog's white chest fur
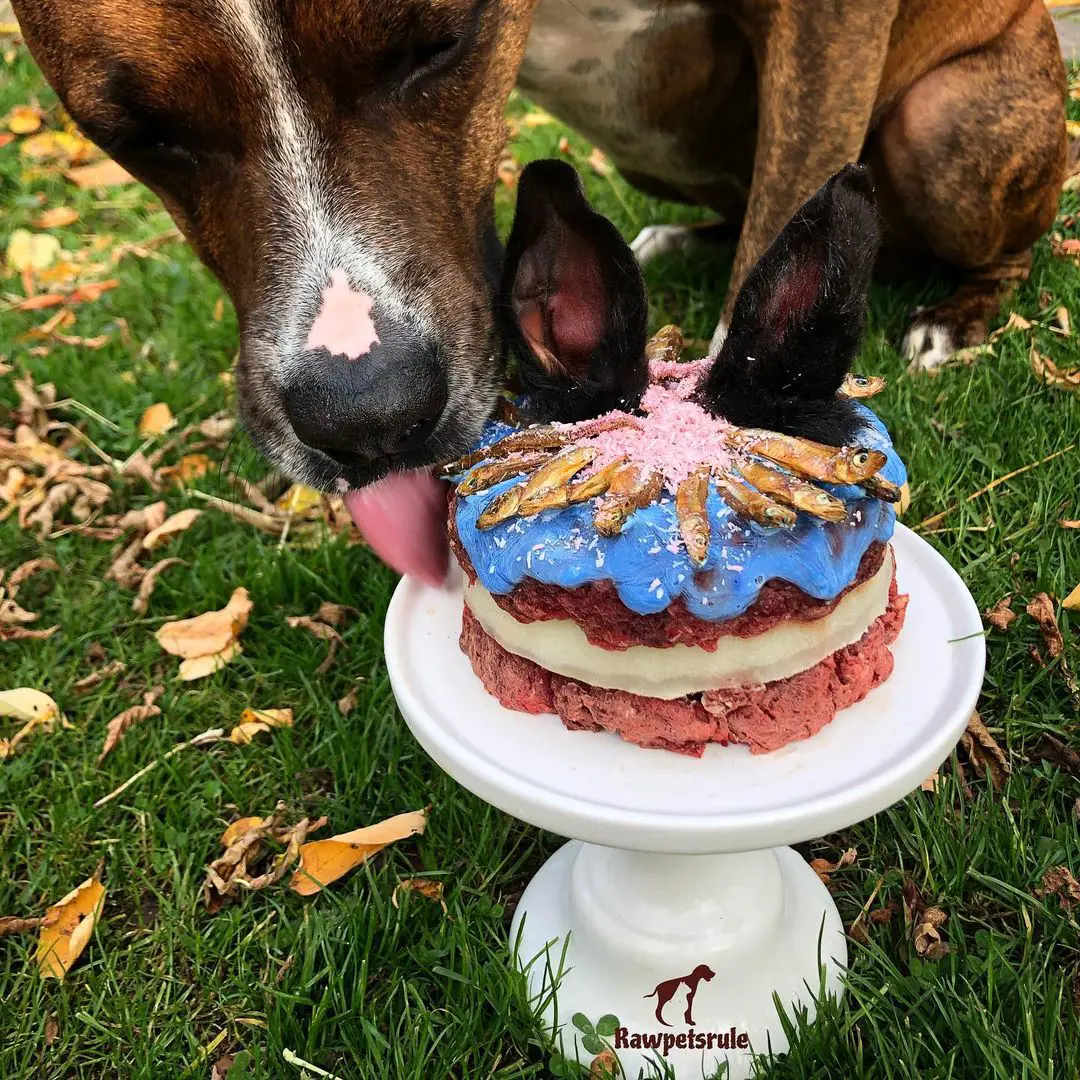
(584,63)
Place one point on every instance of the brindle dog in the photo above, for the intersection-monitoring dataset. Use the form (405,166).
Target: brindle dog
(334,164)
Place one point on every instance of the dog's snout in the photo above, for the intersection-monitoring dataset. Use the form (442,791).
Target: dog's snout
(383,404)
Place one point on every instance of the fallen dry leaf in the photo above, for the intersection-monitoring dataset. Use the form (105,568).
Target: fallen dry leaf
(599,163)
(335,614)
(27,570)
(1015,323)
(300,500)
(923,923)
(208,633)
(1048,372)
(324,861)
(433,890)
(983,752)
(149,582)
(1001,614)
(1072,601)
(189,468)
(157,419)
(347,703)
(1070,523)
(247,864)
(11,924)
(62,146)
(120,723)
(179,522)
(1041,609)
(147,519)
(321,630)
(95,678)
(255,721)
(27,251)
(1062,323)
(605,1066)
(107,173)
(1058,881)
(823,868)
(932,782)
(35,709)
(56,217)
(23,120)
(198,667)
(66,928)
(1052,749)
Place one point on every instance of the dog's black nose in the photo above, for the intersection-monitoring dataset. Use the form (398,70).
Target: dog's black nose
(383,404)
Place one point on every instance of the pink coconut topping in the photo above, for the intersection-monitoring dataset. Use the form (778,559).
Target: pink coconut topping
(675,436)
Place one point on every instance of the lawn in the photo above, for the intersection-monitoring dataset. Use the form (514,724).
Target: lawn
(348,980)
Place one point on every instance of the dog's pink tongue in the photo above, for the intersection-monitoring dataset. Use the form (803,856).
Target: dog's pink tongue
(403,518)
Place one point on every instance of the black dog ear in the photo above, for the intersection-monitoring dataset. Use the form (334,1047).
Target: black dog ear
(799,317)
(572,303)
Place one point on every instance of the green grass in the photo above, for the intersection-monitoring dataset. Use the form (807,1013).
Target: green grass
(369,991)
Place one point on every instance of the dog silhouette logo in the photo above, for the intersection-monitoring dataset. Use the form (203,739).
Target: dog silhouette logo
(666,990)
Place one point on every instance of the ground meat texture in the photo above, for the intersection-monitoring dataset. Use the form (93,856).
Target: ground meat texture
(763,717)
(609,624)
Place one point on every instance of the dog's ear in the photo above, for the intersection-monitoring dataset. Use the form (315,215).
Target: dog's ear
(799,317)
(572,303)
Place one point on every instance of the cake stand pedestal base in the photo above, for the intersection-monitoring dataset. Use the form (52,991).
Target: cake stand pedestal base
(635,933)
(726,911)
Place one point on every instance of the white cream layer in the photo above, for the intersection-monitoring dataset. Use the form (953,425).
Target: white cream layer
(560,645)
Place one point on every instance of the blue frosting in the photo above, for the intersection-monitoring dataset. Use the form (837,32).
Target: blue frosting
(647,562)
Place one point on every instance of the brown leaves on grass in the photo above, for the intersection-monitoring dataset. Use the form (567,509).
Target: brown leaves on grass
(824,868)
(157,419)
(249,862)
(12,924)
(923,924)
(56,217)
(256,721)
(14,618)
(1001,614)
(323,631)
(427,887)
(179,522)
(1058,881)
(120,723)
(324,861)
(208,641)
(37,711)
(1052,749)
(1047,371)
(107,173)
(96,678)
(149,583)
(66,928)
(1041,609)
(983,752)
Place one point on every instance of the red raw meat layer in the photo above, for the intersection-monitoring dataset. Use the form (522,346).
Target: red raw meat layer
(609,624)
(763,717)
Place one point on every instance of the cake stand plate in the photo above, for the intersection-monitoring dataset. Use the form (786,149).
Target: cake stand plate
(679,911)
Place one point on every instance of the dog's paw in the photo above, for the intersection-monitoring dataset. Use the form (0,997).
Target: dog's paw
(656,240)
(929,343)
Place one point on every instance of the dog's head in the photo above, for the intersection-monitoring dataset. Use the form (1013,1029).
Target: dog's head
(702,972)
(333,163)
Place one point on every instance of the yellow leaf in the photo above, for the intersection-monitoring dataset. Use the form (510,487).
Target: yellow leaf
(67,928)
(31,251)
(599,163)
(537,118)
(56,217)
(1072,601)
(157,419)
(238,828)
(324,861)
(299,500)
(245,733)
(270,717)
(190,467)
(55,145)
(209,633)
(199,667)
(28,704)
(107,173)
(177,523)
(23,120)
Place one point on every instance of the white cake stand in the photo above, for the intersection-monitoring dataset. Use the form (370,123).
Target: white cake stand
(678,871)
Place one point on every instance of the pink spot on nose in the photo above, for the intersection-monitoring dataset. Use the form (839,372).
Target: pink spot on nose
(344,324)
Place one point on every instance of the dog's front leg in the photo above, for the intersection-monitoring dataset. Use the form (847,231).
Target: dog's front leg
(819,68)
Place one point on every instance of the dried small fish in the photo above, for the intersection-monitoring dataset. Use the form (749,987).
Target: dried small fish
(594,485)
(881,488)
(665,345)
(558,472)
(790,491)
(751,503)
(812,460)
(495,472)
(541,437)
(863,386)
(627,492)
(504,505)
(693,517)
